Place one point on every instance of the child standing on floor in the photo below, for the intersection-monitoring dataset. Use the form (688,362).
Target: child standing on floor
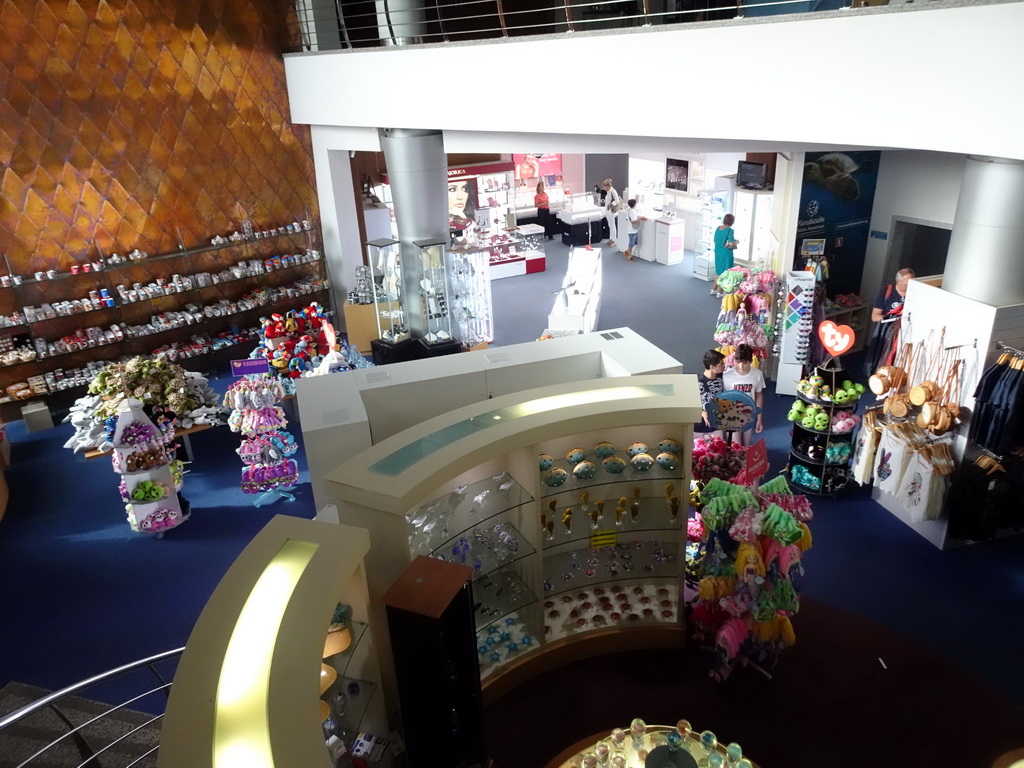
(709,384)
(633,219)
(744,377)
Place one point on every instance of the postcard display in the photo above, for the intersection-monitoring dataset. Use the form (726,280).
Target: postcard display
(566,536)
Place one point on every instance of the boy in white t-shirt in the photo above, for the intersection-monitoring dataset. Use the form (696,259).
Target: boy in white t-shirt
(744,377)
(633,219)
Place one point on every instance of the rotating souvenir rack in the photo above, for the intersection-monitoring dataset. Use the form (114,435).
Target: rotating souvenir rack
(824,423)
(267,446)
(150,475)
(749,566)
(746,311)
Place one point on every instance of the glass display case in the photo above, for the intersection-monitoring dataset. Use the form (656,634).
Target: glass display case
(753,211)
(714,205)
(478,524)
(471,297)
(386,284)
(433,285)
(578,303)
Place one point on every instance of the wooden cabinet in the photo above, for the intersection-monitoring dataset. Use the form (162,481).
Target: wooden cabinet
(361,325)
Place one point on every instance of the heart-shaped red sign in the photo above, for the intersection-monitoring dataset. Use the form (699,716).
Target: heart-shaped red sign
(836,338)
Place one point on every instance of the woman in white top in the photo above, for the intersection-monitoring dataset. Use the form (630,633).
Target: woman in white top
(612,204)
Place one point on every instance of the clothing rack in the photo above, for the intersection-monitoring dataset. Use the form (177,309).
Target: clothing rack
(894,319)
(1001,345)
(961,346)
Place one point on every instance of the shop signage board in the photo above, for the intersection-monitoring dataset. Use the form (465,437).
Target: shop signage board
(249,366)
(836,339)
(600,539)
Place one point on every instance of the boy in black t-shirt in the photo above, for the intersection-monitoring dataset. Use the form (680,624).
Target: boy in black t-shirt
(710,385)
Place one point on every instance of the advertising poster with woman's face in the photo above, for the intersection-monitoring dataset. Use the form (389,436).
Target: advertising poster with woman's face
(462,199)
(537,166)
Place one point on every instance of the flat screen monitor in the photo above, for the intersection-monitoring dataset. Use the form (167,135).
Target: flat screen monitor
(676,174)
(751,175)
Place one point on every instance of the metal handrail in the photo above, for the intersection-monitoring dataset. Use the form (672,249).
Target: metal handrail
(442,21)
(53,700)
(45,701)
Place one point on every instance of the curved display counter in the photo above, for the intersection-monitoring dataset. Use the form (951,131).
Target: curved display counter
(574,541)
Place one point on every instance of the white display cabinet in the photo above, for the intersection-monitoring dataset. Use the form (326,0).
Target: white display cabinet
(345,413)
(669,240)
(578,304)
(753,211)
(469,274)
(477,486)
(714,205)
(494,200)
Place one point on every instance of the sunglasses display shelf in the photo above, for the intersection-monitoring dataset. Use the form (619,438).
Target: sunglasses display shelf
(819,458)
(190,291)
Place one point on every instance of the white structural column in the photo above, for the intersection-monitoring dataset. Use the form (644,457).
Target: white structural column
(418,174)
(984,260)
(400,22)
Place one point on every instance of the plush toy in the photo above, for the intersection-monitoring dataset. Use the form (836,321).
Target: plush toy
(821,421)
(825,393)
(844,421)
(841,397)
(279,361)
(796,411)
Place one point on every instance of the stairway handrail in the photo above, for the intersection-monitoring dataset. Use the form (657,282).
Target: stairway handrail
(50,698)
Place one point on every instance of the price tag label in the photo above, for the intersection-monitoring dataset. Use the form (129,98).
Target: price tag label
(600,539)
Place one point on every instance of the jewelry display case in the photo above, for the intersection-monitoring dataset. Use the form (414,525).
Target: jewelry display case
(386,285)
(433,299)
(471,297)
(477,486)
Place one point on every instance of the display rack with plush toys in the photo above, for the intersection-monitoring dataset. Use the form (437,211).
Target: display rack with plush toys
(745,315)
(144,456)
(749,571)
(296,343)
(267,446)
(824,422)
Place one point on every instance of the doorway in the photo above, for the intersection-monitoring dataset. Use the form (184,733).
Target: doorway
(918,244)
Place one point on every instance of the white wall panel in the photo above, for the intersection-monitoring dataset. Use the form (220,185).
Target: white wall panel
(923,78)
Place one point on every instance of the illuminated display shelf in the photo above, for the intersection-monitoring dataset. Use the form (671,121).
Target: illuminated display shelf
(415,501)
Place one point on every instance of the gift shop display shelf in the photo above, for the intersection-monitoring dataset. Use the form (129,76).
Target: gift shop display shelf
(827,472)
(348,696)
(177,311)
(548,585)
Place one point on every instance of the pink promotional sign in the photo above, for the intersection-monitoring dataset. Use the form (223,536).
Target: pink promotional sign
(537,166)
(757,459)
(676,244)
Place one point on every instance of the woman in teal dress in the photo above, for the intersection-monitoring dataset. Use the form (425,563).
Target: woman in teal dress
(725,244)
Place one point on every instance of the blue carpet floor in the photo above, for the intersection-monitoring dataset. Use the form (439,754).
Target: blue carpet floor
(81,593)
